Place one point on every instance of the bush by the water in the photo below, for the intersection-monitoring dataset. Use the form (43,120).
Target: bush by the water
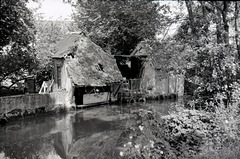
(187,131)
(145,136)
(184,133)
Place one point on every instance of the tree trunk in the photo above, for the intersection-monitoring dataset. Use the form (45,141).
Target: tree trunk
(218,22)
(190,15)
(222,27)
(225,22)
(236,16)
(219,30)
(204,13)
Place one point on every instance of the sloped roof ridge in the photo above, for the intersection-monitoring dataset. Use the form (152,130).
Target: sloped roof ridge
(64,46)
(88,56)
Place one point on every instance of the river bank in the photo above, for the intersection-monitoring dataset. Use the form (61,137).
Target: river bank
(89,133)
(30,105)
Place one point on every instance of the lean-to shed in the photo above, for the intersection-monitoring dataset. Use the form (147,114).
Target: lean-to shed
(154,81)
(84,70)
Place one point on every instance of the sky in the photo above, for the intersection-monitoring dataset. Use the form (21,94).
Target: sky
(53,9)
(57,10)
(175,9)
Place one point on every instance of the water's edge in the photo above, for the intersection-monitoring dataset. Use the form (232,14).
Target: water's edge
(85,133)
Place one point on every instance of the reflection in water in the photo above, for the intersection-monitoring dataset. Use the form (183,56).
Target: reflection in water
(77,134)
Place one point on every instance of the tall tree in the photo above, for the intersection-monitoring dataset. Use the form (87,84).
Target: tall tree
(48,34)
(17,56)
(120,25)
(236,21)
(221,9)
(190,15)
(215,66)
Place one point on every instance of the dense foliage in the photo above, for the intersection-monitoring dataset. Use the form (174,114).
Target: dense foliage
(205,49)
(184,133)
(48,34)
(215,66)
(17,58)
(145,136)
(208,125)
(120,25)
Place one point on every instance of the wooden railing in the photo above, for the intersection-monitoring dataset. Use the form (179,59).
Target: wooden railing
(46,87)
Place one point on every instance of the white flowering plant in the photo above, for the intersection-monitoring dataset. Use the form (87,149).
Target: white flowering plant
(145,137)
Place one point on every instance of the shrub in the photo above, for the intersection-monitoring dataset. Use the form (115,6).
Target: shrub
(194,133)
(187,130)
(184,133)
(145,137)
(225,141)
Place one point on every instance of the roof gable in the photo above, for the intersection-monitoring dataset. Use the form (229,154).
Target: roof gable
(66,44)
(142,49)
(92,66)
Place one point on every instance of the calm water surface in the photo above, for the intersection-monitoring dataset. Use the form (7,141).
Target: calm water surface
(87,133)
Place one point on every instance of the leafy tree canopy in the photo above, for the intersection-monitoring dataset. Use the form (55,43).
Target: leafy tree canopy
(17,56)
(204,50)
(120,25)
(48,34)
(206,35)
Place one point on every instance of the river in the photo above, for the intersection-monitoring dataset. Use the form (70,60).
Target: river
(85,133)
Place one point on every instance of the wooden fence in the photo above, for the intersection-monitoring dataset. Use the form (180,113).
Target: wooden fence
(172,84)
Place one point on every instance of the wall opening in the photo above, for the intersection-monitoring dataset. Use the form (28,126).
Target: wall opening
(94,92)
(78,94)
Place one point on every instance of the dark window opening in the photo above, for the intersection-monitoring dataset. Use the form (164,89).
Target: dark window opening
(88,90)
(78,93)
(99,67)
(70,56)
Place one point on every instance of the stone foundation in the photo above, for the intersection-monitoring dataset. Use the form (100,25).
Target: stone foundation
(22,105)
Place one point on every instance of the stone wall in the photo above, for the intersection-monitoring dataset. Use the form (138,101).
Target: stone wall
(29,103)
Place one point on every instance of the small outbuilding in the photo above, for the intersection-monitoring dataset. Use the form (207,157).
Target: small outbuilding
(154,80)
(85,71)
